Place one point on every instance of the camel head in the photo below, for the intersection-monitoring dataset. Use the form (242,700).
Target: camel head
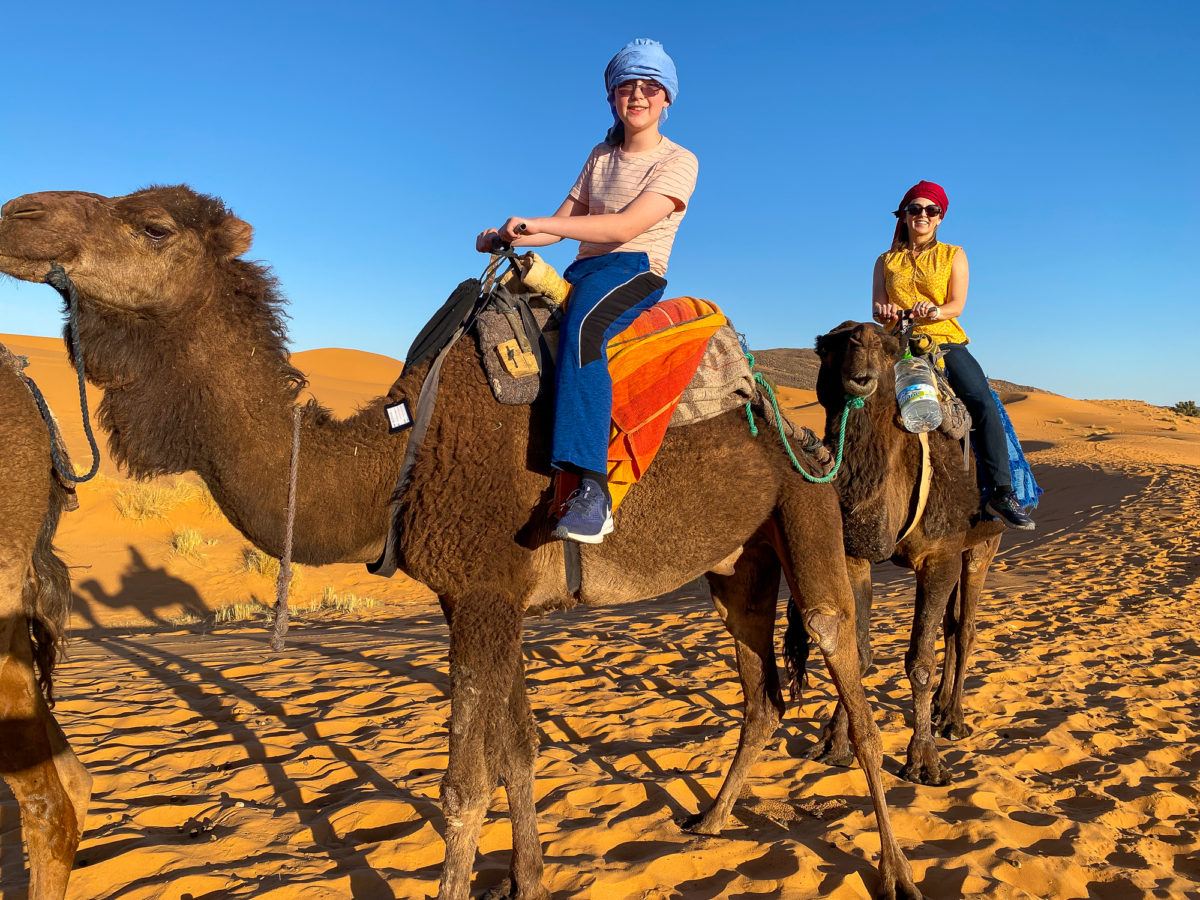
(145,252)
(857,360)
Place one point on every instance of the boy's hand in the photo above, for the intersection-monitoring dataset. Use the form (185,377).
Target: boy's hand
(486,241)
(515,227)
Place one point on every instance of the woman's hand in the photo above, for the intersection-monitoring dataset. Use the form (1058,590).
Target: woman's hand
(925,311)
(886,313)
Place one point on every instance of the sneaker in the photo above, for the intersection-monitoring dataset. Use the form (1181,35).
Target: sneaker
(588,517)
(1005,506)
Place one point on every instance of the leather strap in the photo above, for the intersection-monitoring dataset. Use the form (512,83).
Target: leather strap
(925,479)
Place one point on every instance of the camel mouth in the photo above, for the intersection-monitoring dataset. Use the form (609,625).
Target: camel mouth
(23,268)
(861,385)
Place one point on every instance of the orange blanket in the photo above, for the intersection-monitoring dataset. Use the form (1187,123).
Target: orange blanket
(651,362)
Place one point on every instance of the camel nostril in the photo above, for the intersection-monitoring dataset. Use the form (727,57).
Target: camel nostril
(22,211)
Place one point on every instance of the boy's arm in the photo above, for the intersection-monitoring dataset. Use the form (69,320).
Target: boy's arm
(570,208)
(647,209)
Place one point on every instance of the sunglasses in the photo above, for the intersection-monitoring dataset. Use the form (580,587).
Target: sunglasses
(649,88)
(915,209)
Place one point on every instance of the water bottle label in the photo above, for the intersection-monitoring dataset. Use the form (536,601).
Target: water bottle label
(916,392)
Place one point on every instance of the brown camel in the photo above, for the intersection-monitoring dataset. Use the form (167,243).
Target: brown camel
(949,550)
(187,341)
(50,785)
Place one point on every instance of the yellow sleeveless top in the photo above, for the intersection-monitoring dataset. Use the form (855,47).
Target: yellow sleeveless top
(910,278)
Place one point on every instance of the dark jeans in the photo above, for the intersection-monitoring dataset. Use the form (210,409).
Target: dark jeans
(971,385)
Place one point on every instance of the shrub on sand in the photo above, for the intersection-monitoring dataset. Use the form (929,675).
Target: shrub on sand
(242,612)
(1187,408)
(257,562)
(187,542)
(208,503)
(151,500)
(331,600)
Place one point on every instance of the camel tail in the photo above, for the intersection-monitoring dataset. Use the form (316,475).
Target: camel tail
(48,595)
(795,653)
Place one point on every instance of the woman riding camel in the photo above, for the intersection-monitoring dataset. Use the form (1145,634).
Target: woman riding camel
(624,210)
(921,274)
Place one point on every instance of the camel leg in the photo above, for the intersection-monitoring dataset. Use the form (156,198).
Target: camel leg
(746,601)
(833,746)
(821,590)
(936,578)
(950,627)
(485,665)
(49,819)
(976,562)
(525,872)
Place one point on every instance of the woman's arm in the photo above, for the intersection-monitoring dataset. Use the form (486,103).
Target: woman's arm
(647,209)
(882,309)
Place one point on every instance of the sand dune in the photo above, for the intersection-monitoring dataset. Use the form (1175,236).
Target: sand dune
(223,771)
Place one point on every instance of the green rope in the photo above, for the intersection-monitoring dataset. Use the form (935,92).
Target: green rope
(851,403)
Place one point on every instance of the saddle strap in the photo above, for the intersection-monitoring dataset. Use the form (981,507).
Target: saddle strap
(388,563)
(924,481)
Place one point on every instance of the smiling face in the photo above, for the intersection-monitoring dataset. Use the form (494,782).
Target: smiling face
(141,252)
(921,225)
(640,103)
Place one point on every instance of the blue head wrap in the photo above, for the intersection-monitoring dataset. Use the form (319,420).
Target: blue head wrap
(640,58)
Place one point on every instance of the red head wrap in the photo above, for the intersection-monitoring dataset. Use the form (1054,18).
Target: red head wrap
(929,190)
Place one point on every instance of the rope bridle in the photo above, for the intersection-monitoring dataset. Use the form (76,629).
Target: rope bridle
(61,282)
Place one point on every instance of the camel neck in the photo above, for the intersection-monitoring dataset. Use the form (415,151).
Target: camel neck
(218,401)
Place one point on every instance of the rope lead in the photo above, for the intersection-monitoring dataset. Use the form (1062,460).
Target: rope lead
(61,282)
(851,403)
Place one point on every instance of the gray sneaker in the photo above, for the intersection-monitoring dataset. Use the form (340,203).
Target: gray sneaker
(588,517)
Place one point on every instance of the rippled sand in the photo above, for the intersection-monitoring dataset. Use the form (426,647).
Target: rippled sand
(222,771)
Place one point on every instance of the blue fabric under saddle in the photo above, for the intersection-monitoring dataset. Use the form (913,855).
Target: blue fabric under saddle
(1024,485)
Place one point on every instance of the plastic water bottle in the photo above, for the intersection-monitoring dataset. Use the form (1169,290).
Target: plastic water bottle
(917,395)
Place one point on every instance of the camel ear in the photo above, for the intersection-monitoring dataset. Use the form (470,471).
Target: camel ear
(824,344)
(236,236)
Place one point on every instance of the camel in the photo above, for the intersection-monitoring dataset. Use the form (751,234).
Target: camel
(949,550)
(51,786)
(187,340)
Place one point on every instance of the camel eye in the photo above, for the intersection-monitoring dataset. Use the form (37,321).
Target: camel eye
(155,232)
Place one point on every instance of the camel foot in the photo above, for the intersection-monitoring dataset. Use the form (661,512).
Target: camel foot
(703,823)
(898,886)
(924,766)
(832,750)
(952,729)
(505,890)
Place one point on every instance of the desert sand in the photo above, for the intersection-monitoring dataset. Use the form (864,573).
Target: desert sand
(224,771)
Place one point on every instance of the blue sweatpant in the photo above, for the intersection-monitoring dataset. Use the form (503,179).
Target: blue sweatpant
(607,293)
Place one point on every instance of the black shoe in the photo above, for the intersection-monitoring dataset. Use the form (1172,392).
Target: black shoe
(1004,506)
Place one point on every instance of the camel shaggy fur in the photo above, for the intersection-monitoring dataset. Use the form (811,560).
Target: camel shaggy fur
(50,785)
(186,339)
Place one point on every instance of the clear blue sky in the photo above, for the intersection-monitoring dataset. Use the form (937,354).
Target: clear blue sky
(368,142)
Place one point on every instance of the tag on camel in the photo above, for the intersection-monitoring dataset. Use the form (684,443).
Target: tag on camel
(398,417)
